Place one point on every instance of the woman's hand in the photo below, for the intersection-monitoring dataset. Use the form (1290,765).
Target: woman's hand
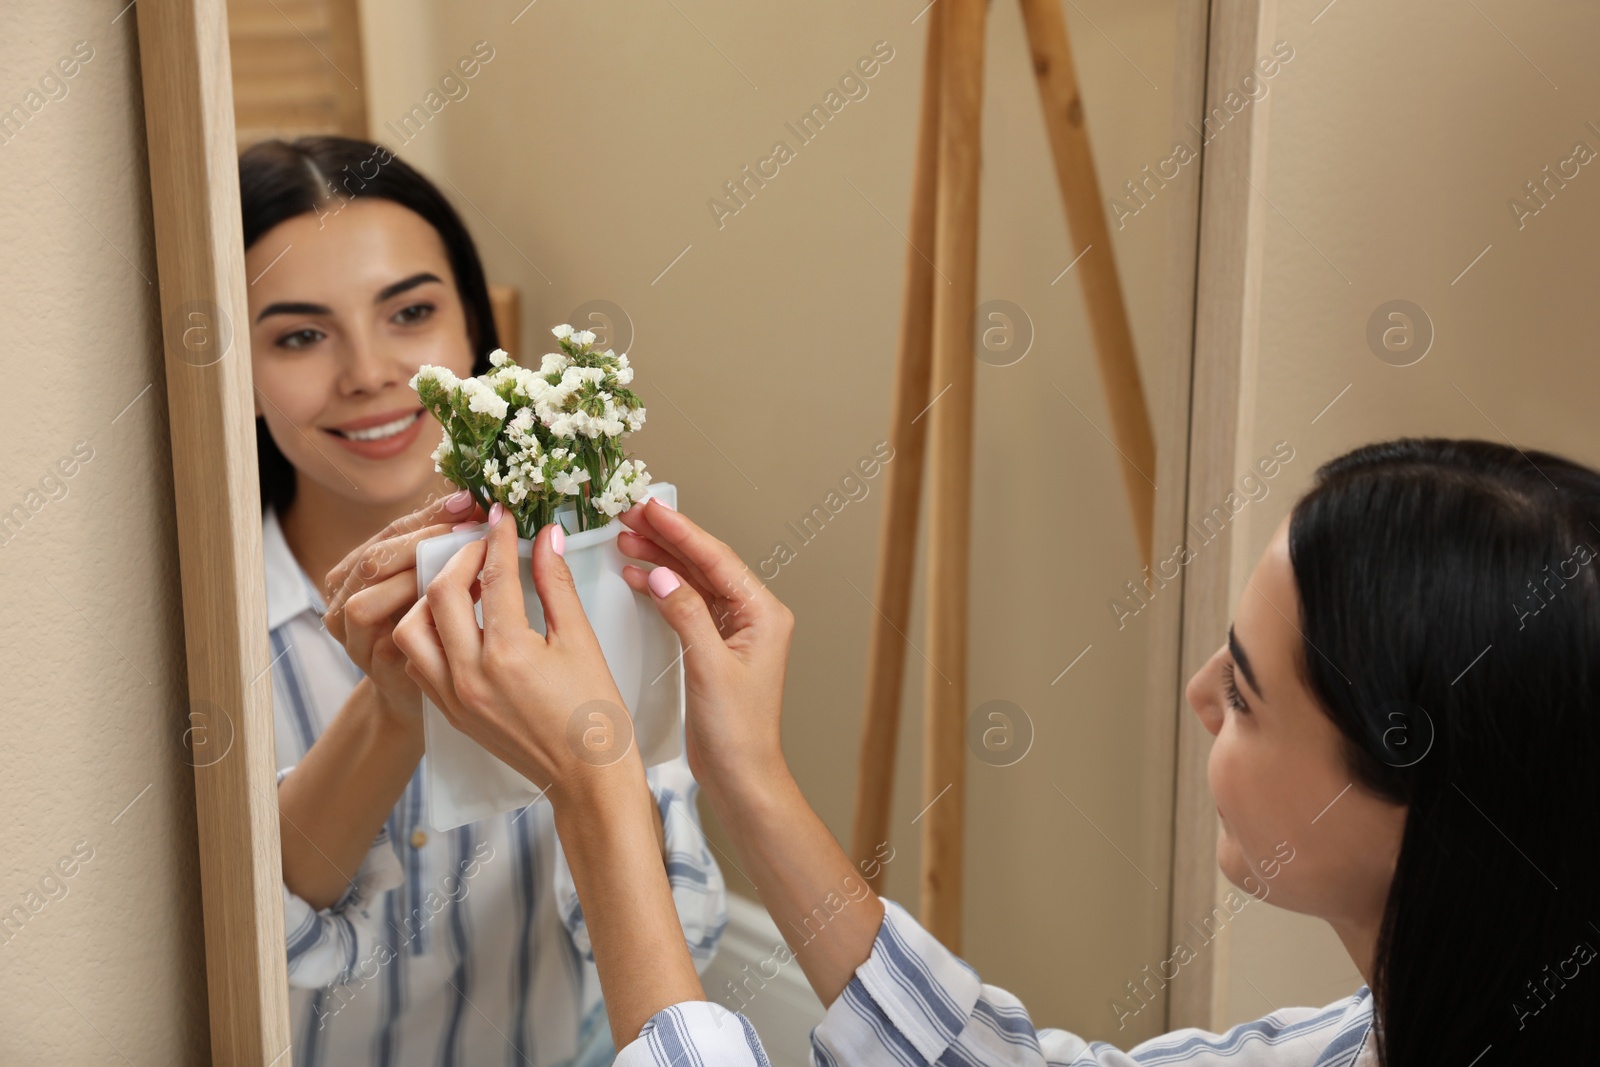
(546,703)
(735,636)
(375,585)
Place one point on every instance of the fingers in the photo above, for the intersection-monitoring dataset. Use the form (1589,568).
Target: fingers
(445,511)
(558,595)
(426,663)
(501,582)
(368,611)
(725,573)
(449,601)
(644,536)
(684,609)
(639,546)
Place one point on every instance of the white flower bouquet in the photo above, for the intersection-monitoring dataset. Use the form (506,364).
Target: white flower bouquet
(547,444)
(536,441)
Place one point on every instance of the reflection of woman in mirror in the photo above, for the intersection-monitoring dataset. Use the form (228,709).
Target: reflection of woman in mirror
(405,946)
(1406,736)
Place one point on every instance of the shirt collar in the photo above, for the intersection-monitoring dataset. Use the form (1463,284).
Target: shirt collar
(289,590)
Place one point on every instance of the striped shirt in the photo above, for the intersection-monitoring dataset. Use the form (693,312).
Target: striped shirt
(913,1002)
(462,947)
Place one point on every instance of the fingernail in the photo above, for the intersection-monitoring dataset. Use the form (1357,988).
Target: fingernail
(558,539)
(462,526)
(458,501)
(496,513)
(663,581)
(663,503)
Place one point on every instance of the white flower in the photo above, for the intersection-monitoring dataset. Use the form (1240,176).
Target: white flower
(562,332)
(484,400)
(626,488)
(553,363)
(583,337)
(499,357)
(565,482)
(443,376)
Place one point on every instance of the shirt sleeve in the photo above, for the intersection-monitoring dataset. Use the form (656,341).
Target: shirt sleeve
(698,890)
(694,1034)
(915,1002)
(325,946)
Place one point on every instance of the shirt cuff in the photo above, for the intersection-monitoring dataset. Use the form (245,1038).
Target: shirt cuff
(911,991)
(331,945)
(693,1034)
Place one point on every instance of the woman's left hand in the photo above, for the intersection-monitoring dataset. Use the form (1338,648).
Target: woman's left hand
(543,703)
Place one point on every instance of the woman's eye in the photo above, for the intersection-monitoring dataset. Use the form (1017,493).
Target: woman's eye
(1231,691)
(300,338)
(409,316)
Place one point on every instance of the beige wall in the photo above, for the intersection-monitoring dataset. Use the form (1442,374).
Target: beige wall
(1396,139)
(583,158)
(110,965)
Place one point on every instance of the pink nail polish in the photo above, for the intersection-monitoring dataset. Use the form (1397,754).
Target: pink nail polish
(462,526)
(558,539)
(663,503)
(496,513)
(458,501)
(663,581)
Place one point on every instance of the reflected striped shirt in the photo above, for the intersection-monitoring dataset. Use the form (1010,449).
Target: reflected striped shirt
(461,947)
(913,1003)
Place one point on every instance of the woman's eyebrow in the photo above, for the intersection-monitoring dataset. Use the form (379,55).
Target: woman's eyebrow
(293,309)
(1243,661)
(409,283)
(301,308)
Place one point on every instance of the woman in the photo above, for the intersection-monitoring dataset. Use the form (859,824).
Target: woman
(405,946)
(1407,697)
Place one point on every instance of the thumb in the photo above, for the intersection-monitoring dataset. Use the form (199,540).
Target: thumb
(684,609)
(552,580)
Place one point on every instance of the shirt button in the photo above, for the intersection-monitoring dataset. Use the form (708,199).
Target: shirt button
(418,839)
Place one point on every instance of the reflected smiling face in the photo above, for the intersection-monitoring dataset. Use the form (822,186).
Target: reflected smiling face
(343,310)
(1277,768)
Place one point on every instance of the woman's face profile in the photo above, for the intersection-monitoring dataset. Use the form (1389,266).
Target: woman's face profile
(344,307)
(1277,768)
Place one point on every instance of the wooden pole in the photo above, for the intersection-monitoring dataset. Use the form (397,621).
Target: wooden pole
(1097,271)
(950,499)
(897,539)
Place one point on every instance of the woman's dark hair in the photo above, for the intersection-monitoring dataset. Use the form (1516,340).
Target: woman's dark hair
(279,180)
(1450,606)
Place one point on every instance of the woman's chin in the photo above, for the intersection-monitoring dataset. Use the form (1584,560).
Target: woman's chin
(1230,859)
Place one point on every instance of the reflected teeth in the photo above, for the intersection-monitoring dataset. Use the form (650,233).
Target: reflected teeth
(388,429)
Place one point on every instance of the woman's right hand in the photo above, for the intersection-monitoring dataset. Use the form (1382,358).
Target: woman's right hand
(375,585)
(735,636)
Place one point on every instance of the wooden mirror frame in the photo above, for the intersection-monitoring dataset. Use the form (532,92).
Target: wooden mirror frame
(194,193)
(188,105)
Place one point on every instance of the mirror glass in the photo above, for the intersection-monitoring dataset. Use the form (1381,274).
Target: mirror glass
(721,191)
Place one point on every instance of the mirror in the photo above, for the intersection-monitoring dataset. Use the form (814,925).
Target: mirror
(722,192)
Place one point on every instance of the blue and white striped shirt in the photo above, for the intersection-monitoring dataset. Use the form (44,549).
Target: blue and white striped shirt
(462,947)
(915,1003)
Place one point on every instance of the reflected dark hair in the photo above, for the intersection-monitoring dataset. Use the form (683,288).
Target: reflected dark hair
(279,180)
(1450,607)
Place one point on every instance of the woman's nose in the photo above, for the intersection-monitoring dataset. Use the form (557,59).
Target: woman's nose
(365,370)
(1203,699)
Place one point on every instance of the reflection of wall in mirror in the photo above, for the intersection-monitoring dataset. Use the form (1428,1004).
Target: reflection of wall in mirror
(773,338)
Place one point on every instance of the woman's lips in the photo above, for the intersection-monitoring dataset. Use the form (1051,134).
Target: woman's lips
(394,435)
